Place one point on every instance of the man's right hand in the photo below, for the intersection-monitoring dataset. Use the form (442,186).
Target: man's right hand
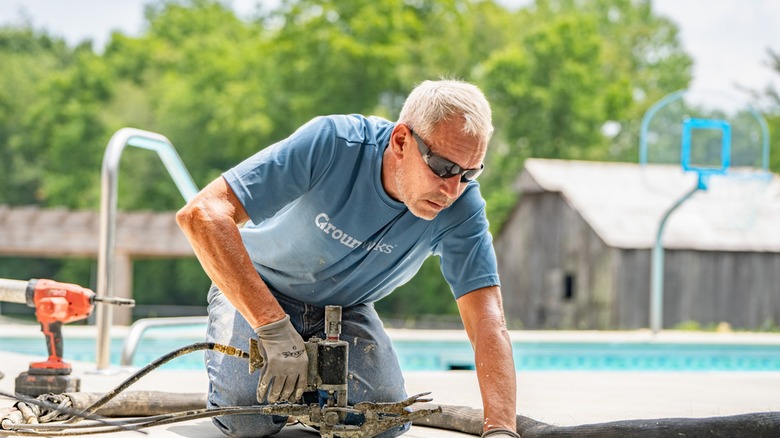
(286,363)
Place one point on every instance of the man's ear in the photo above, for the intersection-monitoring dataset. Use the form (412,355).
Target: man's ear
(398,139)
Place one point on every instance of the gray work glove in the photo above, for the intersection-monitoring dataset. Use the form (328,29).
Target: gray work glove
(500,433)
(286,363)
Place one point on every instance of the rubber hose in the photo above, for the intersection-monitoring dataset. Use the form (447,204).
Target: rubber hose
(753,425)
(139,403)
(469,420)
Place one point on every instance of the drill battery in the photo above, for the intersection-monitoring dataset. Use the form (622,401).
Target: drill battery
(31,384)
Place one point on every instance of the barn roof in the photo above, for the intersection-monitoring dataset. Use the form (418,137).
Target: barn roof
(624,204)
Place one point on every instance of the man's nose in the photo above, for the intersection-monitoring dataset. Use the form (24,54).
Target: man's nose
(451,186)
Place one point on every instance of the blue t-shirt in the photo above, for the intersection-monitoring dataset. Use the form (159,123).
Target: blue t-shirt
(324,231)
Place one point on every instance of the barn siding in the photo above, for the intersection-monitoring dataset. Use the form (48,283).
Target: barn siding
(632,284)
(521,269)
(513,262)
(546,240)
(714,286)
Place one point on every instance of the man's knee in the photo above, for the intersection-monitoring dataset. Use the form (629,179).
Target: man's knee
(240,426)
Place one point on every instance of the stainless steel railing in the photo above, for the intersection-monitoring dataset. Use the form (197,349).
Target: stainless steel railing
(108,206)
(136,333)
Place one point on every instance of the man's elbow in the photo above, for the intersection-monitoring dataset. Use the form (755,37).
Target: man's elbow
(182,216)
(188,216)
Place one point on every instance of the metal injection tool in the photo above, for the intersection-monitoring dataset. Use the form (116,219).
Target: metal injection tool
(328,378)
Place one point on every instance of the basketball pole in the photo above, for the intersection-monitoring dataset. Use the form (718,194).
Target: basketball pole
(657,274)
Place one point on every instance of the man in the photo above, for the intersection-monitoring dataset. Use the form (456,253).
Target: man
(342,212)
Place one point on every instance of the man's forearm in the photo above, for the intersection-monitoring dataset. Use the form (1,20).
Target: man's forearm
(497,380)
(483,318)
(212,231)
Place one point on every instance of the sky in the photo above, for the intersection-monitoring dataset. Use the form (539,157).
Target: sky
(728,39)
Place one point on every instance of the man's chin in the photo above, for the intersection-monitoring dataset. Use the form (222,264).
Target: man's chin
(428,214)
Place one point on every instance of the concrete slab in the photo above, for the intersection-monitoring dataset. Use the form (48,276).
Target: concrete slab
(555,397)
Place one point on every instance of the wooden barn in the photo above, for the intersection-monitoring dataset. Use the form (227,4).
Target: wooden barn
(575,252)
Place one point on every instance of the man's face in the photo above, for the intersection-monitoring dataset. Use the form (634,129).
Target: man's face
(423,191)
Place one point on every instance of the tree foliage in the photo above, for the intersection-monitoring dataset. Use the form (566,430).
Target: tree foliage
(222,87)
(29,59)
(773,96)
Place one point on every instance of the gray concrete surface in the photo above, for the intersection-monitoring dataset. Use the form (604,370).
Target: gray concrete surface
(559,397)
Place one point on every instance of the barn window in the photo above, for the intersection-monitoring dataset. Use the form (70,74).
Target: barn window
(568,286)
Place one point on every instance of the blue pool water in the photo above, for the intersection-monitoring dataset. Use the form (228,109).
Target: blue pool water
(567,356)
(419,355)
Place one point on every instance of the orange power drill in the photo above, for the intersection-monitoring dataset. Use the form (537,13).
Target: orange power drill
(55,304)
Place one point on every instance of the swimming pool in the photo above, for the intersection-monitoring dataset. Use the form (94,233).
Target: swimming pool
(432,350)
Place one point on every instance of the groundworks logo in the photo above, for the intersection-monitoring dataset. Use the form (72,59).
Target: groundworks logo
(322,221)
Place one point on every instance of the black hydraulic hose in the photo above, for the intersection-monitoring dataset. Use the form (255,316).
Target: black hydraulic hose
(753,425)
(100,425)
(54,430)
(98,420)
(225,349)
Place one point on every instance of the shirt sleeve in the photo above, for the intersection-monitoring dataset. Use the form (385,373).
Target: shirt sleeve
(277,175)
(468,260)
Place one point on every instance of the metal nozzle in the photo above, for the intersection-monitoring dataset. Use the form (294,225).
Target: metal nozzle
(115,301)
(332,322)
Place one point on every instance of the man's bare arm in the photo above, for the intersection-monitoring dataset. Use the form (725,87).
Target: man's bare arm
(483,317)
(210,222)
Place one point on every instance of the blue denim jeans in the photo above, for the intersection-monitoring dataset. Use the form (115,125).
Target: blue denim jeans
(374,372)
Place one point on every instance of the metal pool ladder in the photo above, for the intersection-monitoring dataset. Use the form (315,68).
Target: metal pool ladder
(108,209)
(138,328)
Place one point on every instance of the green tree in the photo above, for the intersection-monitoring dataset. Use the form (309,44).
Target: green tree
(29,59)
(198,76)
(579,65)
(66,123)
(364,56)
(773,116)
(221,88)
(643,55)
(550,88)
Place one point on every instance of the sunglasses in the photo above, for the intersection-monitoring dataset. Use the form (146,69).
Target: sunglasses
(443,167)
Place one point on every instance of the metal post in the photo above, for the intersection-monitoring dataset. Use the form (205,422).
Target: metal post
(108,203)
(657,274)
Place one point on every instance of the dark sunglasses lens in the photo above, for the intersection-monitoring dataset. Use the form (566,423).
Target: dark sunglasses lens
(442,167)
(471,174)
(445,168)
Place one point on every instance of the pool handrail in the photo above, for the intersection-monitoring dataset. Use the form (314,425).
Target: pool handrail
(108,210)
(137,329)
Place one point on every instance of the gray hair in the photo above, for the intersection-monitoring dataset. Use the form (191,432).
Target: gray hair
(432,102)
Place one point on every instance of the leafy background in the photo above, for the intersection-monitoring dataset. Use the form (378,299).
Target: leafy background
(222,87)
